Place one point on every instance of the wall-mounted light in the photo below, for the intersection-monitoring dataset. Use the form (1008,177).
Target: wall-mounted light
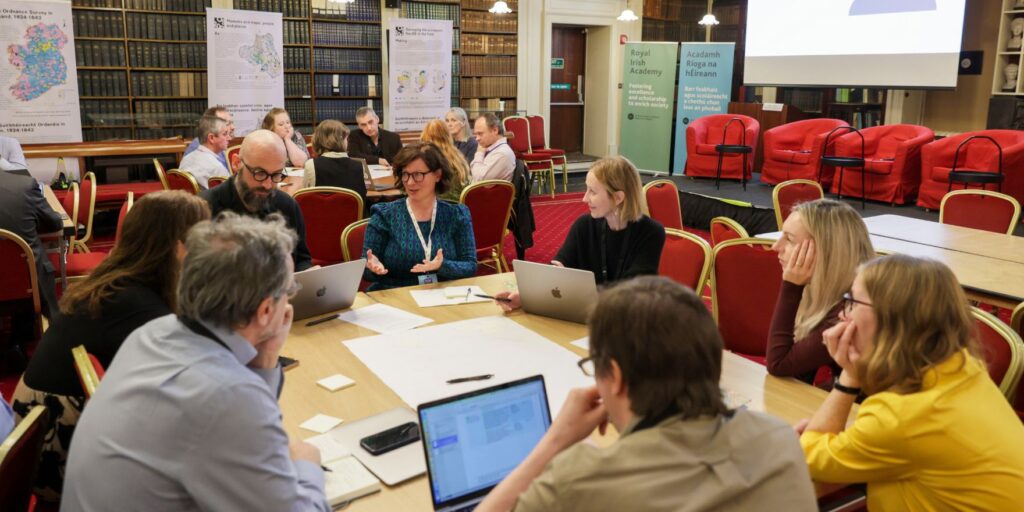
(499,8)
(708,20)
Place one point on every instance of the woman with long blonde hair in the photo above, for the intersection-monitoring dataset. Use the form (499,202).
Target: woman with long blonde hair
(934,433)
(437,133)
(822,244)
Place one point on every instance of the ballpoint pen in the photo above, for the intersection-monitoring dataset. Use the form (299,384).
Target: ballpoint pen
(499,299)
(470,379)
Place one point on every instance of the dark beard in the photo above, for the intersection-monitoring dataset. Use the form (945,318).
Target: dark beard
(253,201)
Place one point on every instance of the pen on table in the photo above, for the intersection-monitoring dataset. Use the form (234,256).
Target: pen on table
(319,321)
(499,299)
(327,469)
(470,379)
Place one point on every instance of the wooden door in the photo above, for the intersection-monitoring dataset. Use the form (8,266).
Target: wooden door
(568,68)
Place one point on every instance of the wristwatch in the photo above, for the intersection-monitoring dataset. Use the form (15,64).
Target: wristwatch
(845,389)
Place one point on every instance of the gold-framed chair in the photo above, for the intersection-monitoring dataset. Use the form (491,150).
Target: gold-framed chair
(678,261)
(19,279)
(216,181)
(724,228)
(182,180)
(19,459)
(352,240)
(662,198)
(745,282)
(85,210)
(980,209)
(328,211)
(88,369)
(233,150)
(789,193)
(161,173)
(1004,351)
(490,206)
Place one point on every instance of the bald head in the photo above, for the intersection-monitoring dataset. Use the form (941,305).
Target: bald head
(264,149)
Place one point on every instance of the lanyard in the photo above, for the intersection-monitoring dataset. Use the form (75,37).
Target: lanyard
(426,244)
(496,146)
(201,330)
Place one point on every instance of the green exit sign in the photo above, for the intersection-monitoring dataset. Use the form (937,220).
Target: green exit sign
(558,63)
(561,87)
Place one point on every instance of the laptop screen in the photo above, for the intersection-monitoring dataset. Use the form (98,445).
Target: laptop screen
(473,441)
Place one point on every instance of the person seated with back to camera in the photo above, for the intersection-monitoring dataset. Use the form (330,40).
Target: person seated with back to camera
(615,240)
(656,359)
(419,239)
(822,244)
(332,167)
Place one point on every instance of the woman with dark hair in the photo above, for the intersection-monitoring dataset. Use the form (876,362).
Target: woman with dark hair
(332,166)
(419,239)
(136,283)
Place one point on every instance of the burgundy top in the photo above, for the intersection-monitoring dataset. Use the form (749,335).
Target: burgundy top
(800,359)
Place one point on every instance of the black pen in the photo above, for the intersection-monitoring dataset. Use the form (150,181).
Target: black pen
(470,379)
(499,299)
(319,321)
(327,469)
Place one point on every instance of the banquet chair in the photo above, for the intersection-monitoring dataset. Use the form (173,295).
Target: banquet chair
(790,193)
(1003,351)
(686,259)
(352,240)
(538,144)
(518,130)
(182,180)
(980,209)
(490,207)
(88,368)
(663,203)
(20,454)
(327,212)
(724,228)
(745,282)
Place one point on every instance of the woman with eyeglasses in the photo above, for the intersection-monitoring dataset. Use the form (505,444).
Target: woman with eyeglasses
(419,239)
(822,244)
(934,433)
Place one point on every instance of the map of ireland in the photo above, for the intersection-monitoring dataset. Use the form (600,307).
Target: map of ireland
(39,61)
(262,55)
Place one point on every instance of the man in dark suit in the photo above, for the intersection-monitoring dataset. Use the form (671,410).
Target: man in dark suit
(371,142)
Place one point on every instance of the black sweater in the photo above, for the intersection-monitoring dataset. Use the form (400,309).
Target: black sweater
(360,146)
(631,252)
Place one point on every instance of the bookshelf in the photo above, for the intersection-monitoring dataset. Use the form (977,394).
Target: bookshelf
(1010,50)
(859,106)
(489,45)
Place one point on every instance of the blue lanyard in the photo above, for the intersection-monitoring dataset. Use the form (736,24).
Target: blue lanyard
(493,148)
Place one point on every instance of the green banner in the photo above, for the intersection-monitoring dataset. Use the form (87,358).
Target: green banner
(648,85)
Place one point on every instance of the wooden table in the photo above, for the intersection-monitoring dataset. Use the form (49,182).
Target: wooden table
(67,230)
(321,354)
(955,238)
(293,184)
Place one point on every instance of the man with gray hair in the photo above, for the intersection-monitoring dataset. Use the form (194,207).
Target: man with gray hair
(186,417)
(494,159)
(222,112)
(371,142)
(204,163)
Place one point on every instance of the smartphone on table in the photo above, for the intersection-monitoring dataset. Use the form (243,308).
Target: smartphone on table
(392,438)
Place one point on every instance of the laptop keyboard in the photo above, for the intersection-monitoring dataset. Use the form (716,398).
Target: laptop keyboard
(467,508)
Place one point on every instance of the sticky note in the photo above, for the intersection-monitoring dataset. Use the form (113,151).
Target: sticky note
(321,423)
(335,382)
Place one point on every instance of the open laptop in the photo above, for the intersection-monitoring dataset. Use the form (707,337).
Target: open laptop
(474,440)
(368,178)
(327,289)
(557,292)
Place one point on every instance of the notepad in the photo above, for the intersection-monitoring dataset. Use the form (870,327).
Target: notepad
(449,296)
(348,480)
(335,382)
(321,423)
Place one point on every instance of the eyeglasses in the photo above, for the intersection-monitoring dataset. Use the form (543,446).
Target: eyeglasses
(261,175)
(586,366)
(849,301)
(416,176)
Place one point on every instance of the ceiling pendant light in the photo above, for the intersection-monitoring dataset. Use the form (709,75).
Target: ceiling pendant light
(708,20)
(627,15)
(499,8)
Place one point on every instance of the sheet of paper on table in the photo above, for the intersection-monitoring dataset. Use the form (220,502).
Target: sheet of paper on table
(380,171)
(295,171)
(583,343)
(383,318)
(450,296)
(416,365)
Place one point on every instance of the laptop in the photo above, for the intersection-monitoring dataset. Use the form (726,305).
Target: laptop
(327,289)
(368,178)
(474,440)
(556,292)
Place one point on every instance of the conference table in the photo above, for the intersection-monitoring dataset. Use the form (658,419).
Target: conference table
(293,183)
(67,230)
(321,354)
(997,246)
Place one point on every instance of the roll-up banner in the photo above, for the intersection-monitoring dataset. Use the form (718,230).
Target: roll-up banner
(705,87)
(420,67)
(645,128)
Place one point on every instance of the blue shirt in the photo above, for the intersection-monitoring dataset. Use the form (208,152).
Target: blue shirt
(392,237)
(222,156)
(6,418)
(179,422)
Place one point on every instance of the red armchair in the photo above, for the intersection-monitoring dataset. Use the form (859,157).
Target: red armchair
(704,133)
(980,154)
(792,151)
(892,155)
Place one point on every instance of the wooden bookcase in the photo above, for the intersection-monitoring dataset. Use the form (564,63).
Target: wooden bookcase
(489,48)
(861,107)
(1005,54)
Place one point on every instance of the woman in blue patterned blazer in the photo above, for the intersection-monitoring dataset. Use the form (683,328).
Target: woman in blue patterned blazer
(438,246)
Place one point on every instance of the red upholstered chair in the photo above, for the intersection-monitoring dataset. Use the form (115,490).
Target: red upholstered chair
(19,459)
(705,133)
(233,150)
(182,180)
(1017,321)
(892,155)
(686,259)
(84,213)
(79,265)
(745,283)
(88,368)
(19,280)
(309,149)
(538,144)
(980,209)
(490,206)
(792,151)
(1003,351)
(978,155)
(352,240)
(518,130)
(790,193)
(215,181)
(125,208)
(327,212)
(724,228)
(663,203)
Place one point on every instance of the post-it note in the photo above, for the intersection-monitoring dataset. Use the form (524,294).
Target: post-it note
(335,382)
(321,423)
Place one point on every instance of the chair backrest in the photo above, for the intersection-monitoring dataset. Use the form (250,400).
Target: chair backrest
(182,180)
(352,240)
(19,459)
(537,138)
(685,258)
(18,279)
(724,228)
(233,150)
(490,205)
(327,211)
(980,209)
(70,204)
(125,207)
(161,174)
(86,209)
(88,368)
(519,127)
(745,283)
(215,181)
(788,194)
(1003,350)
(1017,323)
(309,149)
(663,203)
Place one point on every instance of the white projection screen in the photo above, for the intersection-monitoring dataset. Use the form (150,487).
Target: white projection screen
(869,43)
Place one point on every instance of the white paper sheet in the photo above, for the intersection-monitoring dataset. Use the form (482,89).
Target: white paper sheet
(417,364)
(583,343)
(335,382)
(444,296)
(321,423)
(383,318)
(380,171)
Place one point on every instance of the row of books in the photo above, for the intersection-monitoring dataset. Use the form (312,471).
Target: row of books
(169,27)
(160,55)
(483,66)
(360,10)
(476,106)
(296,58)
(489,86)
(97,24)
(345,110)
(168,5)
(337,59)
(808,100)
(99,53)
(347,85)
(727,15)
(473,21)
(300,111)
(486,4)
(169,111)
(296,32)
(675,9)
(164,133)
(100,134)
(430,11)
(296,85)
(156,83)
(102,83)
(485,43)
(860,120)
(345,34)
(859,95)
(289,8)
(96,3)
(110,112)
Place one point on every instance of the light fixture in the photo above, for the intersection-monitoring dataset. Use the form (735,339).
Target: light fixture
(499,8)
(627,15)
(708,20)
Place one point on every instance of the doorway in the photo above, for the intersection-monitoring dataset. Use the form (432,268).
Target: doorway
(568,76)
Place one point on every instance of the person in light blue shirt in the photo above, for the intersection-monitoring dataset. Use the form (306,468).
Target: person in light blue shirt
(6,418)
(186,417)
(223,113)
(12,158)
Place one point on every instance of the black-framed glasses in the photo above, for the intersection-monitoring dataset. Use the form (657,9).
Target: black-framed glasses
(416,176)
(849,301)
(261,175)
(587,366)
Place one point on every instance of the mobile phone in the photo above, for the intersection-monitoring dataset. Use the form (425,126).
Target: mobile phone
(390,439)
(287,363)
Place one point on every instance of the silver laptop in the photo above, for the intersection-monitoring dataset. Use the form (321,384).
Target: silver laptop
(474,440)
(327,289)
(368,178)
(563,293)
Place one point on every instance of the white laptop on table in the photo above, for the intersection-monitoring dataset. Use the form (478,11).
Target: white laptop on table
(368,176)
(327,289)
(557,292)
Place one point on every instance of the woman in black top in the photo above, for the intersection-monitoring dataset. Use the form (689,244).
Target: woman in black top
(458,127)
(136,283)
(615,240)
(332,167)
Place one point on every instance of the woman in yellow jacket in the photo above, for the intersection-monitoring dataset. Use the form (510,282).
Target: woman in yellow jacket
(934,432)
